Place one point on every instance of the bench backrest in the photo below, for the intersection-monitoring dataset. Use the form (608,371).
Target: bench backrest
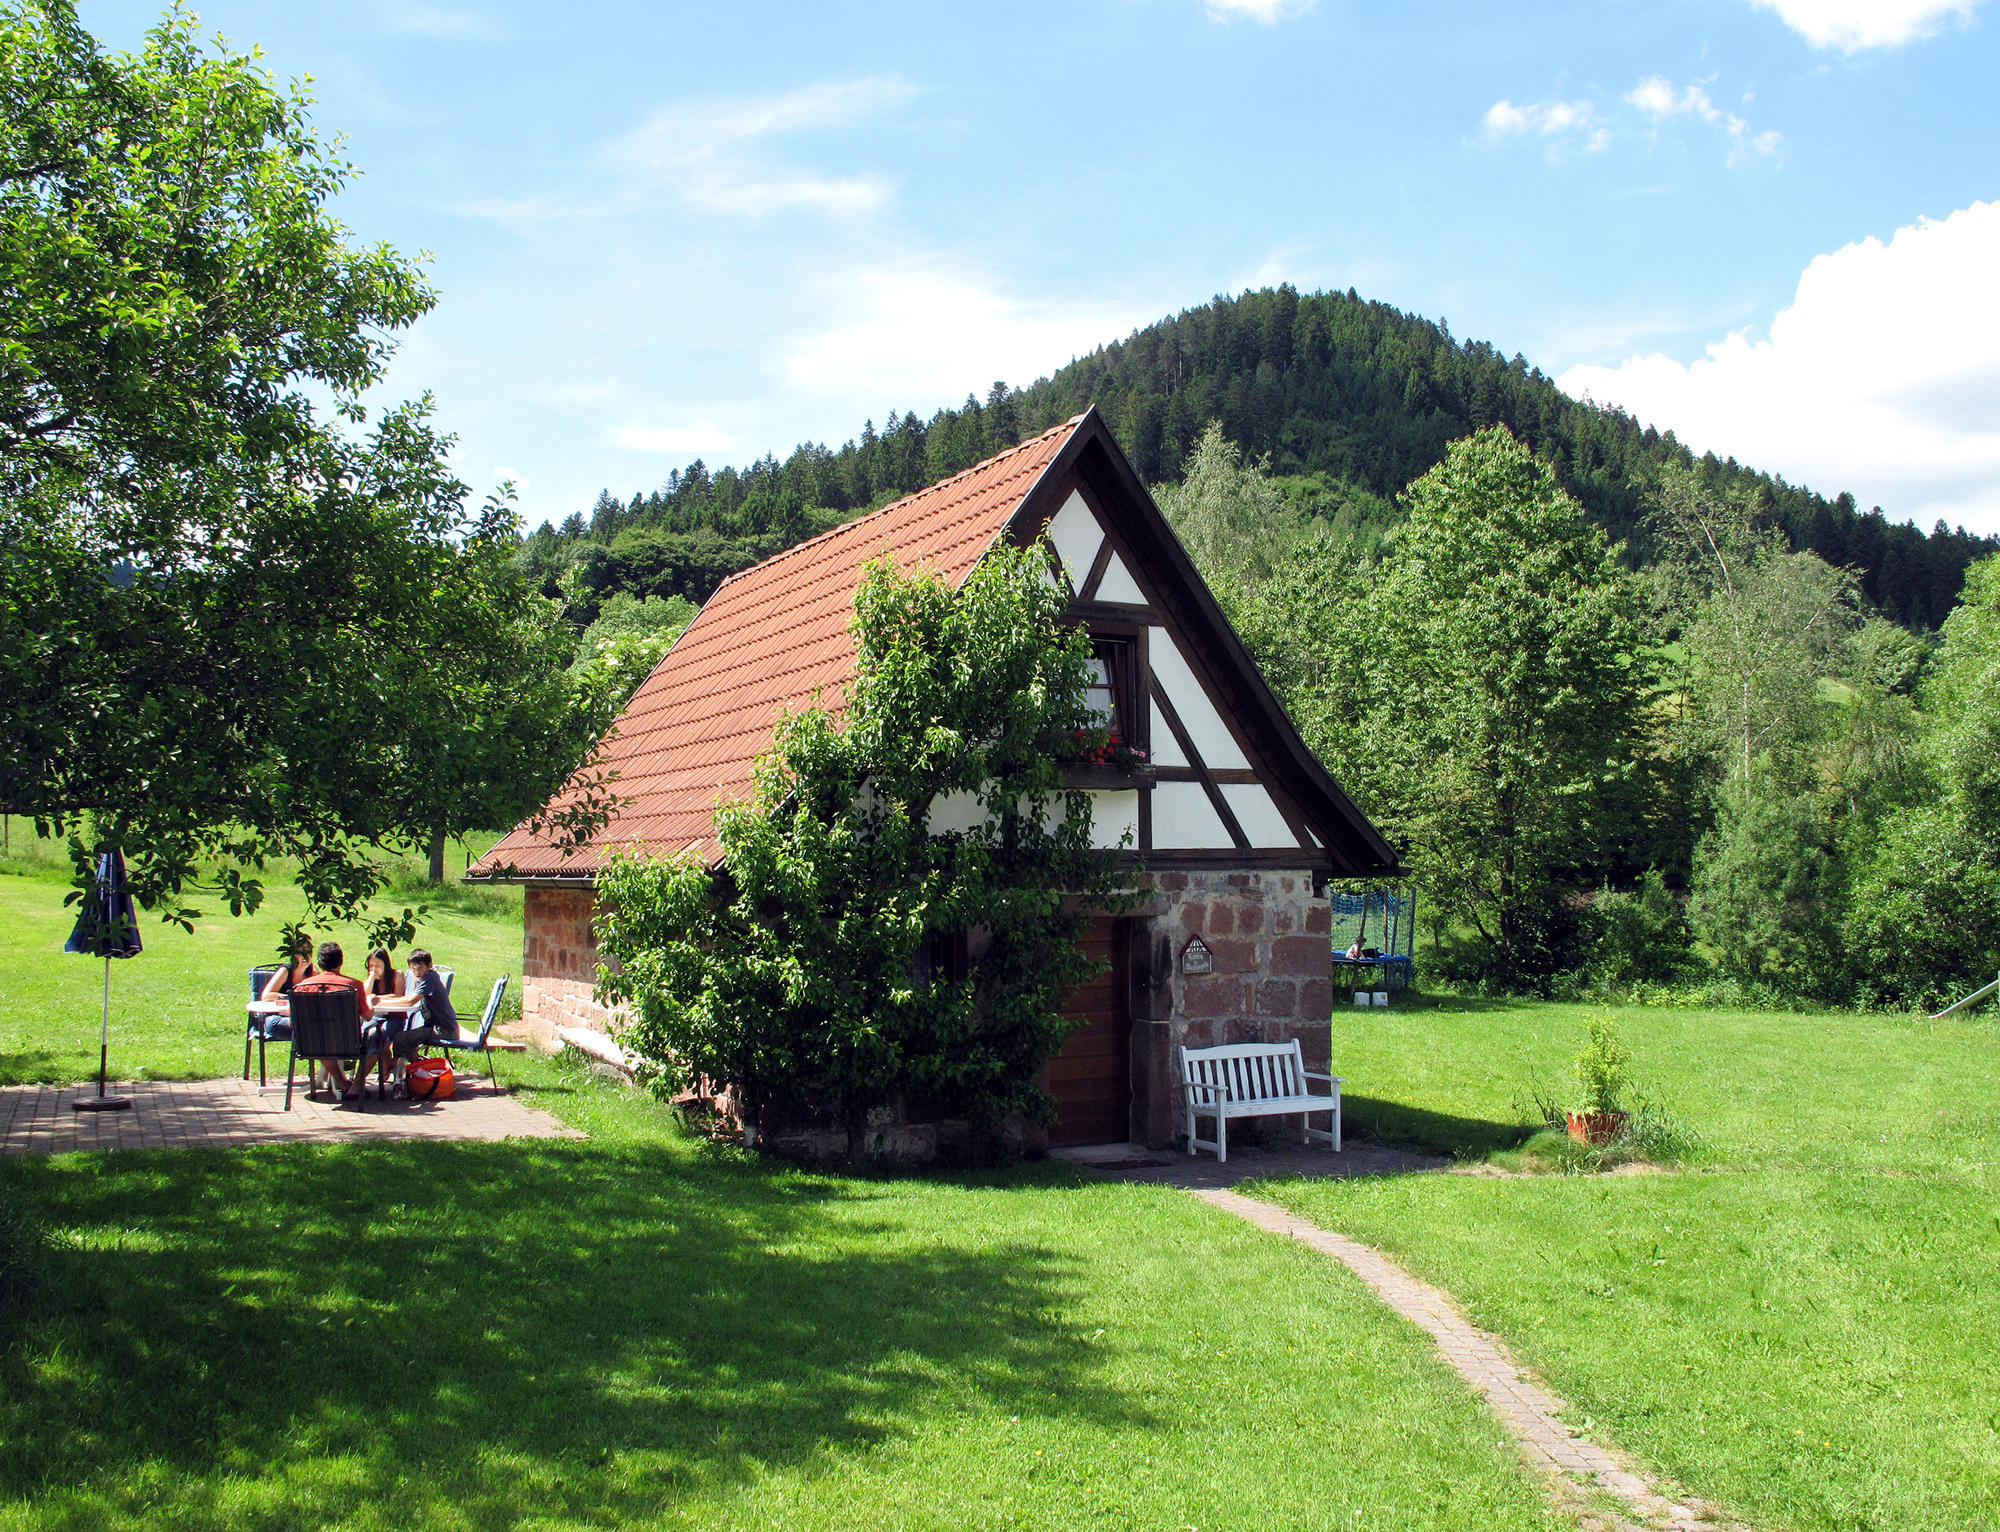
(1251,1071)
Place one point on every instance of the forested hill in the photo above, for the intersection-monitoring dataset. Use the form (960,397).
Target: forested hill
(1350,399)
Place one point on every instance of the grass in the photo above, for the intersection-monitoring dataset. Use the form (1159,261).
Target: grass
(643,1328)
(1804,1324)
(177,1008)
(640,1329)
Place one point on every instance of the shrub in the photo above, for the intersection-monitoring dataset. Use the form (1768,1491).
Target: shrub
(1603,1068)
(1642,937)
(847,958)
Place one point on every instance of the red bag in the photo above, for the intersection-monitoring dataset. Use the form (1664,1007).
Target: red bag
(429,1080)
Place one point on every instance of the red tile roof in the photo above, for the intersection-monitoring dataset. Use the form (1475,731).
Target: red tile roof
(766,641)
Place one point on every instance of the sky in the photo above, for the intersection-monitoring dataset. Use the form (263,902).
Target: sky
(664,231)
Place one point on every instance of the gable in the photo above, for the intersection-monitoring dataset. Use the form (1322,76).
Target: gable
(1230,781)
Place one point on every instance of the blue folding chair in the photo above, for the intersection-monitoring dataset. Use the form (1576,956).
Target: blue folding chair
(262,1029)
(478,1043)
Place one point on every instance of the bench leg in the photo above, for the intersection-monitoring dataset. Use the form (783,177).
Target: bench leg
(1221,1138)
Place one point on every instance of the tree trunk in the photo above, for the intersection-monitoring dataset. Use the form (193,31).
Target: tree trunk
(437,855)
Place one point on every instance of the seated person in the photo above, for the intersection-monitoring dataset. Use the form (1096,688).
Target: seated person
(331,978)
(425,995)
(1354,952)
(383,980)
(298,965)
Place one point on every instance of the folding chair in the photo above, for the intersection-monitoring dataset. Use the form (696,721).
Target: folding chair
(326,1025)
(261,1029)
(478,1044)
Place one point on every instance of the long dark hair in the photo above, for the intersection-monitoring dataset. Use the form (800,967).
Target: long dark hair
(298,951)
(388,976)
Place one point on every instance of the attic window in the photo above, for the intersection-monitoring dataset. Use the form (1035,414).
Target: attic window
(1105,695)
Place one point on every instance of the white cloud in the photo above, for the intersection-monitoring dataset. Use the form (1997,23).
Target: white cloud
(1882,377)
(702,436)
(1853,25)
(1267,11)
(437,21)
(1656,97)
(1548,119)
(710,152)
(922,338)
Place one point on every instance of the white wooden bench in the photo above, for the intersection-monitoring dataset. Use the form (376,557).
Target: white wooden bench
(1253,1080)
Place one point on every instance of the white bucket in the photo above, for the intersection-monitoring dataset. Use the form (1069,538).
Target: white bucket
(1361,997)
(1381,997)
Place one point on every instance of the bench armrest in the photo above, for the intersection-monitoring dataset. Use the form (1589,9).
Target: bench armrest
(1202,1085)
(1313,1074)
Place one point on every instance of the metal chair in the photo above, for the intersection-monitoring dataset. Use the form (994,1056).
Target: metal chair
(477,1044)
(326,1025)
(262,1029)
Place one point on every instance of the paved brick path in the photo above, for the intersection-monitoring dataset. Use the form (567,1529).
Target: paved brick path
(1585,1475)
(218,1114)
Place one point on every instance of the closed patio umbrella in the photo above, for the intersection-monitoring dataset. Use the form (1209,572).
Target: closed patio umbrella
(106,927)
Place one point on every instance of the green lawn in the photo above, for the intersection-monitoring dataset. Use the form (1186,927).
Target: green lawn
(1805,1325)
(177,1008)
(643,1329)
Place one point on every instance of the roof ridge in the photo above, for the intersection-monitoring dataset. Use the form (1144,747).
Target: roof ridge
(848,526)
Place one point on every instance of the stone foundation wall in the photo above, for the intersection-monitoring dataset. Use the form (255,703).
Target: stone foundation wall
(559,963)
(1269,936)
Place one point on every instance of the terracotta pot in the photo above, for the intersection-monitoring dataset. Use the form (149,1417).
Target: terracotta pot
(1596,1127)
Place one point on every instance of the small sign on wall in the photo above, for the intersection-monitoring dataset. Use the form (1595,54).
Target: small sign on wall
(1196,958)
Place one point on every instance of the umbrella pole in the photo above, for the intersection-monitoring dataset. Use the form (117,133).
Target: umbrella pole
(104,1034)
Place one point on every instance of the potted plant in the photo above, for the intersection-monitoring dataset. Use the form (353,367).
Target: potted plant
(1602,1068)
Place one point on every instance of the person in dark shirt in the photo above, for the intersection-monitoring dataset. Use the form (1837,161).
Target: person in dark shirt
(421,1014)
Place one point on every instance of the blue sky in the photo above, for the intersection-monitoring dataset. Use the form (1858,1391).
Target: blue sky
(665,231)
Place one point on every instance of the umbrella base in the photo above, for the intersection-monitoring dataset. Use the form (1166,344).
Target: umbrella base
(101,1104)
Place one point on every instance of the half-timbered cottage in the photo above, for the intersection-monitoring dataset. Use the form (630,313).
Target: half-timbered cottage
(1237,826)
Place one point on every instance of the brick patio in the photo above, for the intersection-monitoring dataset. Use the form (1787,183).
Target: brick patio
(225,1114)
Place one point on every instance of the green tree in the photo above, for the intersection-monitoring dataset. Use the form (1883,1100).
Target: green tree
(630,636)
(847,956)
(1478,692)
(1236,525)
(217,608)
(1759,630)
(1924,919)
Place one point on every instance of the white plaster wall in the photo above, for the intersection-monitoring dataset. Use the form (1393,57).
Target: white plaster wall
(1075,535)
(1205,727)
(1258,815)
(955,811)
(1184,819)
(1166,749)
(1118,584)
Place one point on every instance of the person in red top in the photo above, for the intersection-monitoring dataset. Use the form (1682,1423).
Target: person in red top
(328,960)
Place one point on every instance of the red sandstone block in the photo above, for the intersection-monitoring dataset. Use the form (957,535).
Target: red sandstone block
(1250,918)
(1221,919)
(1277,997)
(1212,995)
(1193,916)
(1316,1000)
(1171,882)
(1234,954)
(1319,920)
(1303,957)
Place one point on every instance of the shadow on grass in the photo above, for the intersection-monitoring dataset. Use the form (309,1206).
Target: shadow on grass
(569,1330)
(1413,1127)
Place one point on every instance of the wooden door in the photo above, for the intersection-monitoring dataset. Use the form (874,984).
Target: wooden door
(1091,1077)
